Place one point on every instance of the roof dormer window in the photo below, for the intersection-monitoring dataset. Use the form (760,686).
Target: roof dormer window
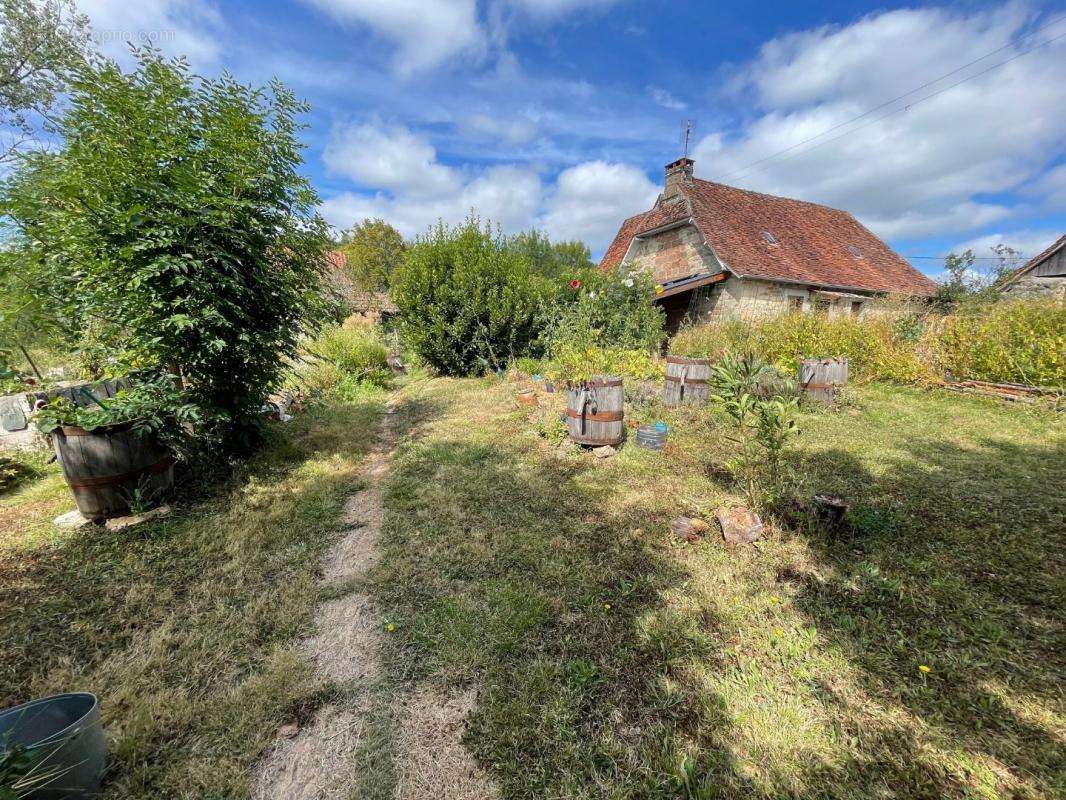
(769,237)
(854,251)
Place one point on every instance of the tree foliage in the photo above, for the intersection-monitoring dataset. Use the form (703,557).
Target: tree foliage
(551,259)
(173,223)
(41,42)
(375,249)
(467,301)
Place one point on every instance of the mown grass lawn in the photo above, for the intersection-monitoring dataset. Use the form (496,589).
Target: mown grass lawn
(187,628)
(923,658)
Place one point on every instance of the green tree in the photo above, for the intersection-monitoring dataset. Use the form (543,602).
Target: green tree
(551,259)
(174,223)
(374,249)
(41,42)
(468,303)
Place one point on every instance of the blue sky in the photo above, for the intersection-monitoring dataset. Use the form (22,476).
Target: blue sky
(560,114)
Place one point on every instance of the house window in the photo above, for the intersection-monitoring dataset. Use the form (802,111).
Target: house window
(795,305)
(856,308)
(854,251)
(769,237)
(821,306)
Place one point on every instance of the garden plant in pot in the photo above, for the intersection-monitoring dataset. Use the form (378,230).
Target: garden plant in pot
(117,456)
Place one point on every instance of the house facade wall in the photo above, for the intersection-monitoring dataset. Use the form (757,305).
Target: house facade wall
(747,298)
(672,254)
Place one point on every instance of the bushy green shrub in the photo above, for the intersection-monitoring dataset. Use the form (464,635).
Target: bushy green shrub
(467,302)
(1016,341)
(174,218)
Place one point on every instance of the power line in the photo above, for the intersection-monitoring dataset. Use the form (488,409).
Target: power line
(747,168)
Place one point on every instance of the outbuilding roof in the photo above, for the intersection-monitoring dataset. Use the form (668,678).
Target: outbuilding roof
(759,235)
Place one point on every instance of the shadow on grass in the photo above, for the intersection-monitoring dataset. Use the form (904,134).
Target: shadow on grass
(506,572)
(184,626)
(16,471)
(966,580)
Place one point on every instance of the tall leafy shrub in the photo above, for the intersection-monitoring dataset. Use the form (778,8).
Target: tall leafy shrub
(467,302)
(174,223)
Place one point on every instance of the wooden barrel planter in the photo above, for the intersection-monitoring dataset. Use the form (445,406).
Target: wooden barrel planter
(687,381)
(594,411)
(822,378)
(107,468)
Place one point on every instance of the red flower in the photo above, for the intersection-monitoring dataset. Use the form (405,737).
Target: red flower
(575,284)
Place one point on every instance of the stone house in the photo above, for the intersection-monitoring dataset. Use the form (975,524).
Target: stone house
(1044,276)
(370,306)
(718,251)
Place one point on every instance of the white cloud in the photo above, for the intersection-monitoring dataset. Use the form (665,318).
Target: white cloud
(1050,188)
(558,7)
(508,196)
(926,170)
(1027,242)
(425,32)
(590,201)
(411,189)
(178,27)
(388,157)
(665,99)
(513,130)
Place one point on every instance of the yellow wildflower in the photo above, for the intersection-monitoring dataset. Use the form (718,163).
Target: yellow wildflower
(390,627)
(924,668)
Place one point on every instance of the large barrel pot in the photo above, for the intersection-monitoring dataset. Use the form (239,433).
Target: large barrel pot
(687,381)
(594,413)
(108,467)
(822,378)
(64,737)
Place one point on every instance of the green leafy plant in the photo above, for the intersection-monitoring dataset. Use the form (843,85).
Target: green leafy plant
(375,250)
(153,405)
(173,222)
(761,405)
(467,302)
(22,771)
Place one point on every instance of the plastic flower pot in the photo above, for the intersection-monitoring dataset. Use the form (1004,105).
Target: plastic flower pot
(62,742)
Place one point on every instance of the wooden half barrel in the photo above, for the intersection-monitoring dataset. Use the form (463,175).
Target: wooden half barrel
(594,411)
(821,378)
(687,381)
(109,468)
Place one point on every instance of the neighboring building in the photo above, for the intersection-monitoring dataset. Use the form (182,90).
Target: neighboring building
(372,306)
(1044,276)
(715,250)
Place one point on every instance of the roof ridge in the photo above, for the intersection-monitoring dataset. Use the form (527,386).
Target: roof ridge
(771,196)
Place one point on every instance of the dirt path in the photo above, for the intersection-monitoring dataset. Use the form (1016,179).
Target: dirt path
(321,761)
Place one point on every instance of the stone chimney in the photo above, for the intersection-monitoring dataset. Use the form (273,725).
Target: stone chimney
(677,173)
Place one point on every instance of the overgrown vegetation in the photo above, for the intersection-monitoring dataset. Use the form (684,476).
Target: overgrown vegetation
(341,361)
(1015,341)
(172,232)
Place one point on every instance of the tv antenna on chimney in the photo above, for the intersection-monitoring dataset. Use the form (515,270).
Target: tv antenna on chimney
(686,135)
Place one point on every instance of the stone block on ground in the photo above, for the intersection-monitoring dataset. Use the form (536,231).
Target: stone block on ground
(72,520)
(739,525)
(121,523)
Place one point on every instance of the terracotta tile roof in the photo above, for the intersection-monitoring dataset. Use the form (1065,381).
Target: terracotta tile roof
(1043,256)
(812,241)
